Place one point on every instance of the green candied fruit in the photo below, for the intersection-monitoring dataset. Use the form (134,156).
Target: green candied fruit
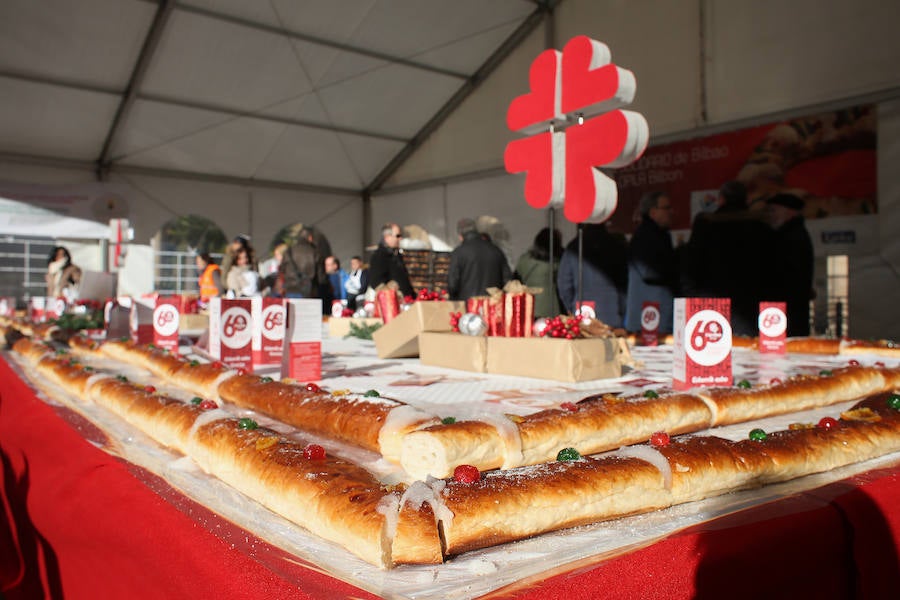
(568,454)
(121,378)
(744,384)
(651,394)
(193,363)
(196,400)
(372,394)
(246,423)
(757,435)
(61,351)
(894,401)
(448,420)
(826,373)
(124,338)
(87,368)
(151,345)
(266,380)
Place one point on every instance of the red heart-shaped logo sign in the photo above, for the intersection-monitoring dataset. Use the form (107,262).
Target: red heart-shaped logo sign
(531,111)
(534,157)
(591,84)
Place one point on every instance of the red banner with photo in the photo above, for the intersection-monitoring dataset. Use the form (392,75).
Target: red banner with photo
(829,160)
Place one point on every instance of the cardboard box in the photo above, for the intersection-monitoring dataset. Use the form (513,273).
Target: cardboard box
(339,327)
(701,350)
(230,332)
(400,337)
(554,358)
(453,351)
(267,340)
(301,356)
(165,323)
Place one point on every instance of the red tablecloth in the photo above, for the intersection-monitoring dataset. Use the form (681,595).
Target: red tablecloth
(77,523)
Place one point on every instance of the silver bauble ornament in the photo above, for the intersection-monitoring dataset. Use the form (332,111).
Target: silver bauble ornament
(539,326)
(472,324)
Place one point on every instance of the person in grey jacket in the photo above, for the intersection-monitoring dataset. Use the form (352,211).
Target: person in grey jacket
(652,263)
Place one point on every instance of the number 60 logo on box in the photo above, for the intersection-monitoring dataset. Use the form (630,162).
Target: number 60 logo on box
(702,352)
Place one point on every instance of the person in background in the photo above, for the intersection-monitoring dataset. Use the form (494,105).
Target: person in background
(210,280)
(357,281)
(475,265)
(62,275)
(268,270)
(604,274)
(239,242)
(727,257)
(652,263)
(387,264)
(337,277)
(302,271)
(534,270)
(793,259)
(243,279)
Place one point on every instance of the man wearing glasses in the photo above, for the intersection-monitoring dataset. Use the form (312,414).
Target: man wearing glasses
(387,264)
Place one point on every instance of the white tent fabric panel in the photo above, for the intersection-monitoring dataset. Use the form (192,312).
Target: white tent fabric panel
(36,119)
(21,219)
(91,41)
(207,60)
(769,56)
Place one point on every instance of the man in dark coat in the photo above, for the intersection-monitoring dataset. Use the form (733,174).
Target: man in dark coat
(652,266)
(387,264)
(302,270)
(728,257)
(792,267)
(475,265)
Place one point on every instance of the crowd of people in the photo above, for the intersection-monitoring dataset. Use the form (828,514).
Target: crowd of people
(746,255)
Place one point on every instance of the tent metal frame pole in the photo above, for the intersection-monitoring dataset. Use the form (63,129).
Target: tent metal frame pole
(579,288)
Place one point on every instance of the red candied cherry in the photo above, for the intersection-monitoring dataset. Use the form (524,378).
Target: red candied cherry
(853,362)
(466,474)
(218,364)
(314,452)
(878,363)
(660,439)
(775,381)
(312,387)
(242,371)
(828,423)
(569,406)
(208,405)
(149,389)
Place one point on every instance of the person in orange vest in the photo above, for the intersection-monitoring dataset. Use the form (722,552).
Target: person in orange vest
(210,277)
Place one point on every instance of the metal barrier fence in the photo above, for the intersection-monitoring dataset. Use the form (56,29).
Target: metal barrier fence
(23,263)
(176,272)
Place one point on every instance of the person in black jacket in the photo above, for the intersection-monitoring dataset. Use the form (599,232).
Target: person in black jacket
(475,265)
(387,264)
(728,257)
(792,270)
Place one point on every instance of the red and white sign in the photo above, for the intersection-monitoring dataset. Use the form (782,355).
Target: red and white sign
(54,308)
(140,320)
(36,309)
(302,355)
(772,327)
(702,334)
(231,332)
(650,317)
(575,126)
(7,306)
(268,330)
(166,319)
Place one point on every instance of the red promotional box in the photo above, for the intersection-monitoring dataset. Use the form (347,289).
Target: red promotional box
(140,319)
(772,327)
(650,317)
(702,350)
(166,319)
(230,332)
(302,352)
(268,330)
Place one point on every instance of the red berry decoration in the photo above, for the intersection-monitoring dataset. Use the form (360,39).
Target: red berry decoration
(828,423)
(242,371)
(660,439)
(569,406)
(149,389)
(208,405)
(218,365)
(314,452)
(311,387)
(466,474)
(853,362)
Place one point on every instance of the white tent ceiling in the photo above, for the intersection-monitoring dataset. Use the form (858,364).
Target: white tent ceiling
(321,94)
